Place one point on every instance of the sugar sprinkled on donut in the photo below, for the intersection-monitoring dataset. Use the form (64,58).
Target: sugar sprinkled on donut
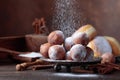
(68,43)
(44,49)
(90,54)
(56,52)
(78,52)
(80,38)
(107,57)
(56,37)
(68,57)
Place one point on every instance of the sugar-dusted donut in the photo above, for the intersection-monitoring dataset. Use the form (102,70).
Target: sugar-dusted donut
(68,57)
(89,55)
(107,57)
(78,52)
(80,38)
(68,43)
(57,52)
(44,49)
(56,37)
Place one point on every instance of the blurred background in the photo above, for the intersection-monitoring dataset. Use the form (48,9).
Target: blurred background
(16,16)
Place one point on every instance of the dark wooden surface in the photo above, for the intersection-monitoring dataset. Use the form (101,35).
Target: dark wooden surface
(16,43)
(8,72)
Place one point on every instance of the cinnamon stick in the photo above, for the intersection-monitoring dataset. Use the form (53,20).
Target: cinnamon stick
(104,68)
(38,67)
(24,66)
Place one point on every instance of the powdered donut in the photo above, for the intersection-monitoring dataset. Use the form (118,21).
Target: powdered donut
(78,52)
(68,43)
(44,49)
(90,54)
(108,57)
(56,37)
(80,38)
(68,57)
(100,46)
(56,52)
(89,30)
(114,44)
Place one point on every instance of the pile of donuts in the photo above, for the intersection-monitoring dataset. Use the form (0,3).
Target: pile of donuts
(83,45)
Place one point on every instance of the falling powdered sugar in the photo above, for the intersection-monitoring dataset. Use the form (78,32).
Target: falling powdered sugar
(67,16)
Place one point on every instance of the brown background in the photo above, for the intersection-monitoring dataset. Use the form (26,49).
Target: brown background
(16,16)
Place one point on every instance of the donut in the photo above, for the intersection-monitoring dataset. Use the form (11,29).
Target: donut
(89,55)
(56,37)
(68,57)
(80,38)
(100,45)
(68,43)
(114,44)
(107,57)
(44,49)
(89,30)
(57,52)
(78,52)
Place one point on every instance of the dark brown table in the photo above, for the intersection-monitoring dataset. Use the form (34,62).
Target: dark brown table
(8,72)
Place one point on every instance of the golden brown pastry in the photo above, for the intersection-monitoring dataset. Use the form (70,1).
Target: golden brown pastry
(44,49)
(78,52)
(100,46)
(56,37)
(89,30)
(114,44)
(57,52)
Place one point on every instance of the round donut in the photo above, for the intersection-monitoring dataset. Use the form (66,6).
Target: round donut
(68,57)
(68,43)
(80,38)
(90,54)
(56,37)
(107,57)
(44,49)
(78,52)
(57,52)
